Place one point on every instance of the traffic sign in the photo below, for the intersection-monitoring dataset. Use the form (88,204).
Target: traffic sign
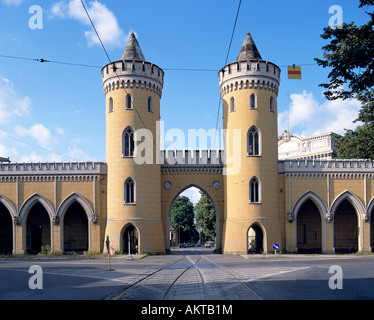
(276,246)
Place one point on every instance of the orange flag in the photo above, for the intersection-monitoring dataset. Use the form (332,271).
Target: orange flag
(294,72)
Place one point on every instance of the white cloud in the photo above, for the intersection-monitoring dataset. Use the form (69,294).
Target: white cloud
(76,153)
(308,117)
(39,132)
(60,131)
(193,194)
(11,103)
(12,2)
(104,20)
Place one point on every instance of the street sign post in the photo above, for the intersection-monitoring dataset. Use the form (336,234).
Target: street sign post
(276,248)
(107,242)
(129,256)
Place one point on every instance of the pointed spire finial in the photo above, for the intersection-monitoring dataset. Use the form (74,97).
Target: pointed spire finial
(249,49)
(132,50)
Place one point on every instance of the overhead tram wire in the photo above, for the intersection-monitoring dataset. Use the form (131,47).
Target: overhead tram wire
(37,146)
(42,60)
(132,102)
(75,64)
(227,57)
(110,61)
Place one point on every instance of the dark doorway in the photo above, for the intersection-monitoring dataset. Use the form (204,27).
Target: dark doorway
(130,235)
(345,228)
(372,230)
(309,228)
(6,231)
(255,239)
(38,229)
(75,229)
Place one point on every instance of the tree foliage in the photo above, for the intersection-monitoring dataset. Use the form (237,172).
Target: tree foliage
(206,216)
(350,55)
(182,218)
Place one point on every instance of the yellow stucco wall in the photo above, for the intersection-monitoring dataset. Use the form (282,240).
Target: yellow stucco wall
(53,192)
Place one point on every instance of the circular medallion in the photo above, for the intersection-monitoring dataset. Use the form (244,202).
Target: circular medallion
(167,185)
(216,185)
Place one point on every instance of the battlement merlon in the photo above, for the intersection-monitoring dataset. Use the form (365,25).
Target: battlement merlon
(53,168)
(132,73)
(249,74)
(322,166)
(192,158)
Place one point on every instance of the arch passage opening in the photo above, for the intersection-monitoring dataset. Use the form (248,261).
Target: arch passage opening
(75,229)
(192,219)
(255,239)
(309,228)
(345,228)
(372,231)
(6,231)
(130,240)
(38,229)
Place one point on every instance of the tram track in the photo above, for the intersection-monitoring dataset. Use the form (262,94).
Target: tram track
(192,277)
(119,294)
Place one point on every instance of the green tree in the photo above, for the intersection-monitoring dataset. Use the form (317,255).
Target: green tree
(182,218)
(350,55)
(206,216)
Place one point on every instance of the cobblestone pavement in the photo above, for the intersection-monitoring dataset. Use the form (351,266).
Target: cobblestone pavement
(197,277)
(190,274)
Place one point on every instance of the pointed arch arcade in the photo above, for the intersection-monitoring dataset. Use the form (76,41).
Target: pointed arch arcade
(310,226)
(75,214)
(37,215)
(7,216)
(348,213)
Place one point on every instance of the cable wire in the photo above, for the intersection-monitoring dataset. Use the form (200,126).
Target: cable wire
(42,60)
(227,57)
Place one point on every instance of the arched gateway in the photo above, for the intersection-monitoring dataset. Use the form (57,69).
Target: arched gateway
(310,205)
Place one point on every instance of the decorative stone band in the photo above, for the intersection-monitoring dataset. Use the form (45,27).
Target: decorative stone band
(191,171)
(317,168)
(192,159)
(258,74)
(132,74)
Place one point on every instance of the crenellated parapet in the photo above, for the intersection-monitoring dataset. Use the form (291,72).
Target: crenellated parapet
(339,168)
(257,74)
(46,171)
(132,74)
(191,158)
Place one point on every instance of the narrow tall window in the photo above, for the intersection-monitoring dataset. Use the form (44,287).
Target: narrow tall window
(110,104)
(129,191)
(128,102)
(232,104)
(272,108)
(254,190)
(128,144)
(150,104)
(253,142)
(252,101)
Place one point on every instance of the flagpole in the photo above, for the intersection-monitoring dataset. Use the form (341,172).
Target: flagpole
(288,110)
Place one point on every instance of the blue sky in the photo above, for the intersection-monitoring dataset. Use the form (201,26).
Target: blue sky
(47,107)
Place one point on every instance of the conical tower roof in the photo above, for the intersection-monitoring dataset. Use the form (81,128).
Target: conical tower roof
(249,50)
(132,50)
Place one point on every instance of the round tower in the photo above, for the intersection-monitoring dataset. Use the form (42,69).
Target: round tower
(249,89)
(133,89)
